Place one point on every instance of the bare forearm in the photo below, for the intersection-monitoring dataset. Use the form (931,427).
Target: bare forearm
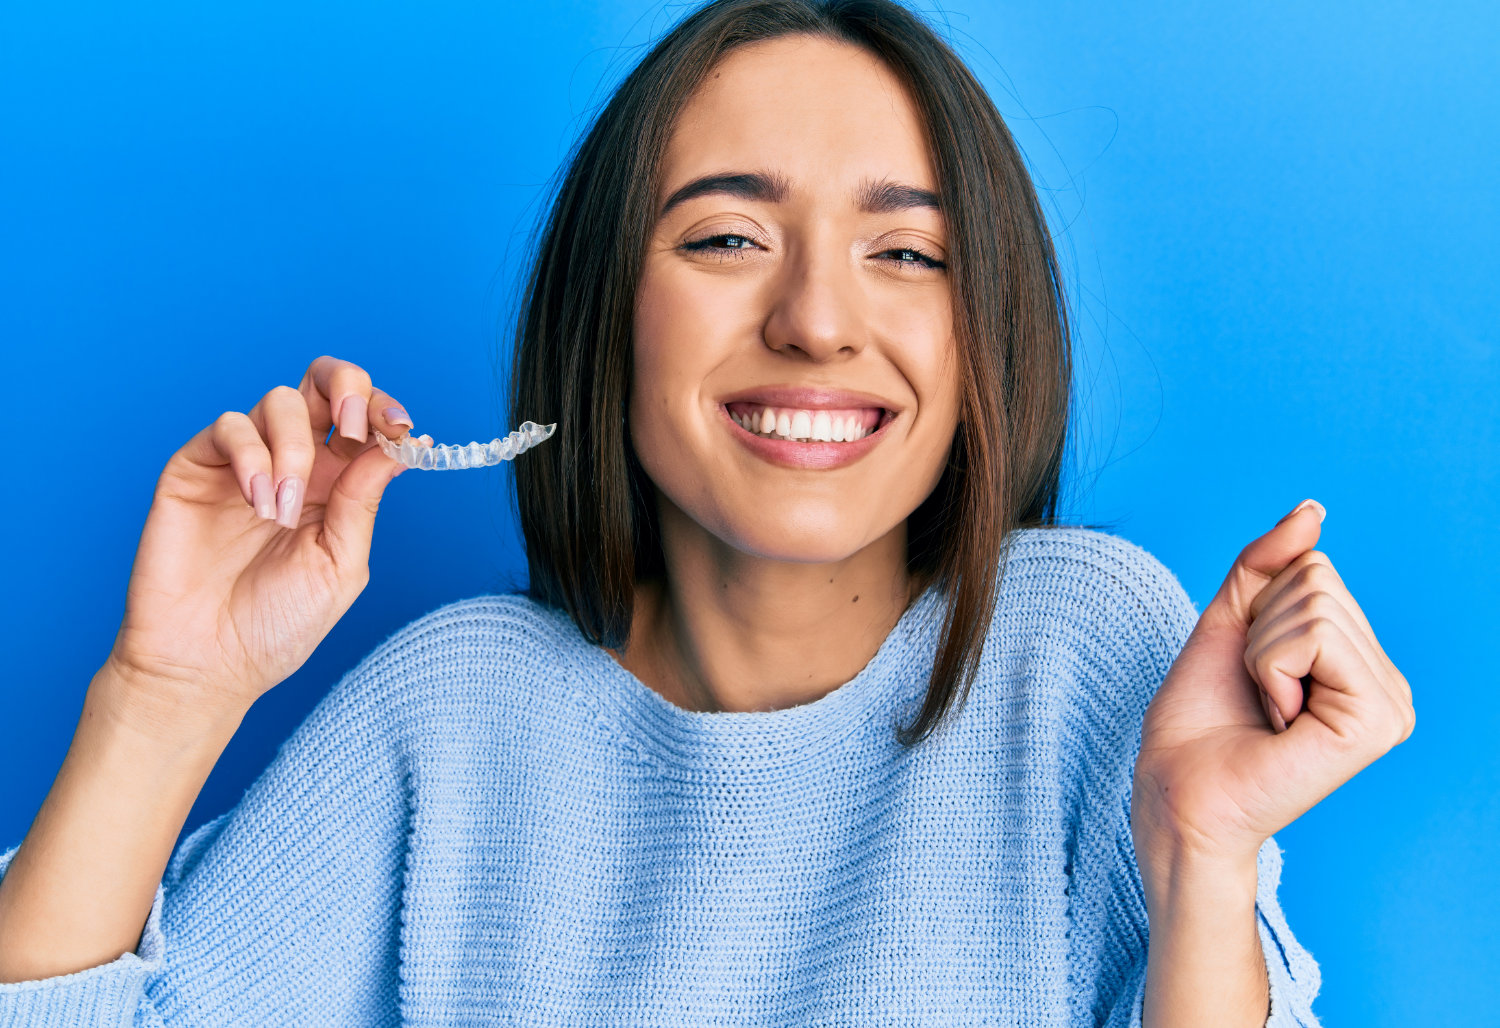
(1205,964)
(79,889)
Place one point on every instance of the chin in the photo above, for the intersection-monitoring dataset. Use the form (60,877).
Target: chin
(806,540)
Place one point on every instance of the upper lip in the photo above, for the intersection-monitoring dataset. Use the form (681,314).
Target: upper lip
(809,398)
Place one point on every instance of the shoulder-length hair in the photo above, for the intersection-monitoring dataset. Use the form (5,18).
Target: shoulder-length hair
(586,507)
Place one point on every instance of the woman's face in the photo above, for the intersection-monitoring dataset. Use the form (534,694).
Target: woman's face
(795,391)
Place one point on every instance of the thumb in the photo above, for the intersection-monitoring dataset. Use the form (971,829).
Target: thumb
(1261,561)
(349,517)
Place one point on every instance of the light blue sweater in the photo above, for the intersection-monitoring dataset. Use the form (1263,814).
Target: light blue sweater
(490,822)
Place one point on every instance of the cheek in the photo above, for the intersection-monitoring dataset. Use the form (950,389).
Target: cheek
(672,352)
(926,354)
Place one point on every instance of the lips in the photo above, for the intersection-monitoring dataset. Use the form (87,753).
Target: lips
(810,398)
(804,455)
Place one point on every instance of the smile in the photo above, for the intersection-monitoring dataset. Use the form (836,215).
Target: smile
(806,424)
(807,438)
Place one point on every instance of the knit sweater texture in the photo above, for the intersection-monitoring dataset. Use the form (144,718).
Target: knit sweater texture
(490,822)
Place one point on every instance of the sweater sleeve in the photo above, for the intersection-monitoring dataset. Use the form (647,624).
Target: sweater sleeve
(285,910)
(1147,617)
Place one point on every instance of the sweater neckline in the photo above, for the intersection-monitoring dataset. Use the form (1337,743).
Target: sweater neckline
(655,725)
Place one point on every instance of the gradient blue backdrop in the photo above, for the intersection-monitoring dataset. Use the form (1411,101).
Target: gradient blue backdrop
(1279,225)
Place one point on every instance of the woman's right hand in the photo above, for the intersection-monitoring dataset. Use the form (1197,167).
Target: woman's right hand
(257,542)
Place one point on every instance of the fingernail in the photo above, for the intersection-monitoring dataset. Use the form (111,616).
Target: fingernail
(1322,512)
(289,502)
(352,415)
(262,497)
(1277,721)
(397,416)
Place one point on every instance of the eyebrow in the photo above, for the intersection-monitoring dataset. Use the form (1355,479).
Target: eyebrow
(882,197)
(887,197)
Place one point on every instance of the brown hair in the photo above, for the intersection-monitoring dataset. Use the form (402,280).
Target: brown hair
(586,507)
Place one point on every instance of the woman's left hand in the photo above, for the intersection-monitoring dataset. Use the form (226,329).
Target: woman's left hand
(1280,695)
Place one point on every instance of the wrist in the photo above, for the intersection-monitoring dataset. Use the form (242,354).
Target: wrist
(130,706)
(1204,961)
(1177,878)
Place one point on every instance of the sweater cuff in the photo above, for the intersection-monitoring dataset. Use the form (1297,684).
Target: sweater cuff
(106,995)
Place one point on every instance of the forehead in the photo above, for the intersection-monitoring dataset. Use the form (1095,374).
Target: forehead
(821,113)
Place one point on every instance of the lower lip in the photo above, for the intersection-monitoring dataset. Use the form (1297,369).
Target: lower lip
(814,456)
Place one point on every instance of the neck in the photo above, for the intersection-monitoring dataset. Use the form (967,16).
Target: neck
(728,631)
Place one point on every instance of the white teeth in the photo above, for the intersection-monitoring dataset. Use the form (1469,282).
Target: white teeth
(803,425)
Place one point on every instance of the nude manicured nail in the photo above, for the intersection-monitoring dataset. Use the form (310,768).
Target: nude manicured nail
(289,502)
(262,496)
(1322,513)
(397,416)
(352,418)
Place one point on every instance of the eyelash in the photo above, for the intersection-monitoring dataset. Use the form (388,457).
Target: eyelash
(704,245)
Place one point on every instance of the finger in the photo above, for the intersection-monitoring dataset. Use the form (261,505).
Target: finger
(349,517)
(337,392)
(286,424)
(1310,572)
(1260,562)
(1363,721)
(232,440)
(1319,649)
(387,416)
(1292,606)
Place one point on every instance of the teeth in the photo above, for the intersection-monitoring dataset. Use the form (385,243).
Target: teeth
(803,425)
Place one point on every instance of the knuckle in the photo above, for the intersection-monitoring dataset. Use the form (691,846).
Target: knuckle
(1310,573)
(1397,732)
(284,394)
(1322,626)
(1318,604)
(1316,627)
(348,373)
(294,453)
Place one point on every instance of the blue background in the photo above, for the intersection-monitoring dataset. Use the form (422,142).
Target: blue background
(1279,225)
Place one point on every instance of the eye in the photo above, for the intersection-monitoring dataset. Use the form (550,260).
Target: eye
(913,258)
(725,246)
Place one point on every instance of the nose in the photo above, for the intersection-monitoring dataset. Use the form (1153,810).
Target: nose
(815,310)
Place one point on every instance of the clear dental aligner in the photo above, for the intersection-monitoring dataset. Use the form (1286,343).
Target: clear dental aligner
(422,454)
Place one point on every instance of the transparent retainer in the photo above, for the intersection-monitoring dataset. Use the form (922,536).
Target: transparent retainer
(423,456)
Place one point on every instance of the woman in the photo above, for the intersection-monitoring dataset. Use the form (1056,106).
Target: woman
(811,716)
